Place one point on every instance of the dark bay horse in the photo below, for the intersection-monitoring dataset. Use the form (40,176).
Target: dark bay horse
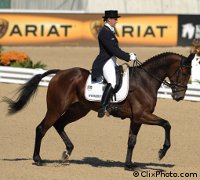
(66,102)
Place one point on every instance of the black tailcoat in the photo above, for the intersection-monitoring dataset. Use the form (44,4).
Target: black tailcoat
(108,45)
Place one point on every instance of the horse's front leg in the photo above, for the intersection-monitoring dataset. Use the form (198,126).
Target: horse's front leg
(166,125)
(133,131)
(152,119)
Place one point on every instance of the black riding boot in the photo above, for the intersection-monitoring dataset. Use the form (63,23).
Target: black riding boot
(107,95)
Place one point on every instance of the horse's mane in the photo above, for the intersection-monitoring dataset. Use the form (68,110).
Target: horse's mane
(159,59)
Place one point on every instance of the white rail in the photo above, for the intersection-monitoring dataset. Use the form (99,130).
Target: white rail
(22,75)
(192,93)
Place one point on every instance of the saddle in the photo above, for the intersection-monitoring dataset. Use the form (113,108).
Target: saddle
(94,90)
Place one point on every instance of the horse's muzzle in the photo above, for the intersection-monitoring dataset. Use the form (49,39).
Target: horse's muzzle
(177,97)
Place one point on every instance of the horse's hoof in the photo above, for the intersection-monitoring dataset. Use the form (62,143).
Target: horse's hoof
(65,156)
(161,154)
(37,161)
(131,167)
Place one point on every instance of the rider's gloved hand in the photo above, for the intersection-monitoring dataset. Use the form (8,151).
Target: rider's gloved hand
(133,56)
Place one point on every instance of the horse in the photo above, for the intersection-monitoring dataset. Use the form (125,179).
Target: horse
(66,102)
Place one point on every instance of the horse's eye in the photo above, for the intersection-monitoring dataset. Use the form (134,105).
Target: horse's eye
(185,72)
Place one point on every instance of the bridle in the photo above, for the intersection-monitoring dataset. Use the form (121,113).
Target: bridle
(174,85)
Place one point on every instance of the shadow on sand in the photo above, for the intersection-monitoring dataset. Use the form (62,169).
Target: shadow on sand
(96,162)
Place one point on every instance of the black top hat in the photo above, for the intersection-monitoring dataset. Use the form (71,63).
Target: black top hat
(111,14)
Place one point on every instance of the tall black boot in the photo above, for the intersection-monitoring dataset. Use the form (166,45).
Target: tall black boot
(107,95)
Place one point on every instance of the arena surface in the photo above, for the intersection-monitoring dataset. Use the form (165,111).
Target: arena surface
(100,144)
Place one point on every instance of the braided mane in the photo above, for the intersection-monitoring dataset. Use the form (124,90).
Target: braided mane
(159,59)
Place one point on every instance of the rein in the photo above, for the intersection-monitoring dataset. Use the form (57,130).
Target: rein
(172,85)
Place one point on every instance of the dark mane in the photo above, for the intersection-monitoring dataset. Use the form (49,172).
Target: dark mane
(154,60)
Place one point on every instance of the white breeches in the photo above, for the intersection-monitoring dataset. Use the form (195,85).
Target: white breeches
(109,71)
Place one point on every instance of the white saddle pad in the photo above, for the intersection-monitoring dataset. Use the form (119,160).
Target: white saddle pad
(94,91)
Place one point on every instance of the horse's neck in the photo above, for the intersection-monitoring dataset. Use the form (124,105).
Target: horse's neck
(160,67)
(156,72)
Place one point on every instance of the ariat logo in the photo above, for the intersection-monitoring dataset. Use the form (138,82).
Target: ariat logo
(95,27)
(3,27)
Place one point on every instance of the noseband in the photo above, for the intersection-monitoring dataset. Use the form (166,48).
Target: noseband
(173,84)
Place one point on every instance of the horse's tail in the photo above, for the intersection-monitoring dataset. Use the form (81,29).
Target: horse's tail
(25,92)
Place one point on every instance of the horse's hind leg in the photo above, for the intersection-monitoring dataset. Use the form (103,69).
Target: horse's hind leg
(41,130)
(75,112)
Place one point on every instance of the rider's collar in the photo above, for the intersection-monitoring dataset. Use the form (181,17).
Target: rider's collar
(110,27)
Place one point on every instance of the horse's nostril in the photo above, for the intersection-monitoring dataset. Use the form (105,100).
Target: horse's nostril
(179,98)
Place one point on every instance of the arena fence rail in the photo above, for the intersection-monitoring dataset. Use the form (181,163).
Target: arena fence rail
(22,75)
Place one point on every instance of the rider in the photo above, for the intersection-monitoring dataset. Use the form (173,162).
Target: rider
(105,63)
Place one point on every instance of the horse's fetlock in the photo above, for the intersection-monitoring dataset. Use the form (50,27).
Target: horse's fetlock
(70,148)
(166,146)
(37,158)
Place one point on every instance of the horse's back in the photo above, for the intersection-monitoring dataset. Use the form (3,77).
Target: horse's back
(70,74)
(70,80)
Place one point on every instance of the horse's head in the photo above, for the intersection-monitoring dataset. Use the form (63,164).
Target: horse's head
(179,77)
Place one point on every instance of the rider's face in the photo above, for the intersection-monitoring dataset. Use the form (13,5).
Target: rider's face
(112,21)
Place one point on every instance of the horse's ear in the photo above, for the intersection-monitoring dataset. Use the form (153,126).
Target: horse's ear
(189,58)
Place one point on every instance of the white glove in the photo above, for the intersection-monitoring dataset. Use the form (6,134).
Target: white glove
(133,56)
